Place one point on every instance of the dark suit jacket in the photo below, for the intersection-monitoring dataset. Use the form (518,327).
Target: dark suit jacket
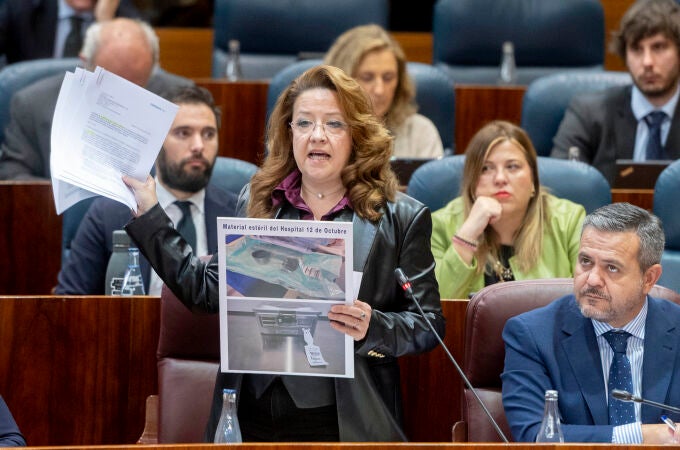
(85,270)
(10,436)
(602,125)
(369,406)
(25,153)
(28,27)
(555,347)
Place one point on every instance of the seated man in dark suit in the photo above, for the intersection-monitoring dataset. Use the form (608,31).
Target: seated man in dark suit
(183,170)
(641,121)
(126,47)
(608,335)
(10,436)
(52,28)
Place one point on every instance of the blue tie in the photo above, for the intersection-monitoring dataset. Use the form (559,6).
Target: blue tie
(620,377)
(186,224)
(654,148)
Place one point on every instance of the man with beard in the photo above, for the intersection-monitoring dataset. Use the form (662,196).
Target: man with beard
(565,346)
(641,121)
(183,170)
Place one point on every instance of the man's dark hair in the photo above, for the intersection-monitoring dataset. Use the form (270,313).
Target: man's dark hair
(194,95)
(645,19)
(624,217)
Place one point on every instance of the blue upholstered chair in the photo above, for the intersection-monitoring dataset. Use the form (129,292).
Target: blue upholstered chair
(435,94)
(547,35)
(438,182)
(547,98)
(229,174)
(666,208)
(274,33)
(232,174)
(20,74)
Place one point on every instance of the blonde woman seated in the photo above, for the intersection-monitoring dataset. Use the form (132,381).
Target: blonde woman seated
(504,226)
(370,55)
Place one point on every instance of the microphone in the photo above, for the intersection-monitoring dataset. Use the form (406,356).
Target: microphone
(626,396)
(405,284)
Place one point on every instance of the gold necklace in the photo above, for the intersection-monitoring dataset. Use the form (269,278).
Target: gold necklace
(321,195)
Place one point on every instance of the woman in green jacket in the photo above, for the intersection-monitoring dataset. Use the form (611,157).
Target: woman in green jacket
(504,226)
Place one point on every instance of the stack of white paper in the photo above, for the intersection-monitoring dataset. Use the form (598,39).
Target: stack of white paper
(104,127)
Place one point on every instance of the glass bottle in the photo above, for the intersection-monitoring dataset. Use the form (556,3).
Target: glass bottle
(115,270)
(551,430)
(228,430)
(233,71)
(508,70)
(132,281)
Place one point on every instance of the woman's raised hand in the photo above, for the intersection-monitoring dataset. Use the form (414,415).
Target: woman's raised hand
(145,193)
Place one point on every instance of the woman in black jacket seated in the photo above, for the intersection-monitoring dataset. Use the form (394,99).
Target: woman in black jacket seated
(328,160)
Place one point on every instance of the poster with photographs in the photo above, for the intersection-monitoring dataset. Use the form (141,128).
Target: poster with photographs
(278,280)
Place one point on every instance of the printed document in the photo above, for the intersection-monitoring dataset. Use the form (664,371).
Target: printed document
(278,280)
(104,127)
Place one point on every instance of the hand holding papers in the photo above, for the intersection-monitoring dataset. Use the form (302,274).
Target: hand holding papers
(104,127)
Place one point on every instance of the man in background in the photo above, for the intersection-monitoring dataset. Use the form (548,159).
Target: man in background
(639,122)
(129,48)
(32,29)
(183,169)
(610,334)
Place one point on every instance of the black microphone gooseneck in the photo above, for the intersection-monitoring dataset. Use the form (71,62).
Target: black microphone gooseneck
(628,397)
(405,284)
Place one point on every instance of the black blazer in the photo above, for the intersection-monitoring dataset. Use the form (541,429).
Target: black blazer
(28,27)
(369,406)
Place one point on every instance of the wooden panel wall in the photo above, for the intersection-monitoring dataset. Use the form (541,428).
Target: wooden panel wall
(77,370)
(30,238)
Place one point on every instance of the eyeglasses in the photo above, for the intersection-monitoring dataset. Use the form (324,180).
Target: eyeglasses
(331,128)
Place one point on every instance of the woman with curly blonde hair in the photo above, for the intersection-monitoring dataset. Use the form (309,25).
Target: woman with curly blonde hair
(370,55)
(328,161)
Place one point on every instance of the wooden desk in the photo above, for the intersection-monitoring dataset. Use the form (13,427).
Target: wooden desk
(30,238)
(478,105)
(417,46)
(244,108)
(431,386)
(77,370)
(644,198)
(186,51)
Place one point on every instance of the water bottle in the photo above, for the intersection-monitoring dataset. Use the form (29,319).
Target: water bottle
(550,430)
(115,270)
(132,280)
(228,430)
(233,72)
(508,71)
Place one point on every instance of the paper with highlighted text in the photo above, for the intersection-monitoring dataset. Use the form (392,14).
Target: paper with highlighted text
(104,127)
(278,280)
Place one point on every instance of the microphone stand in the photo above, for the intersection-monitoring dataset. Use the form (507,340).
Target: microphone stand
(628,397)
(405,284)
